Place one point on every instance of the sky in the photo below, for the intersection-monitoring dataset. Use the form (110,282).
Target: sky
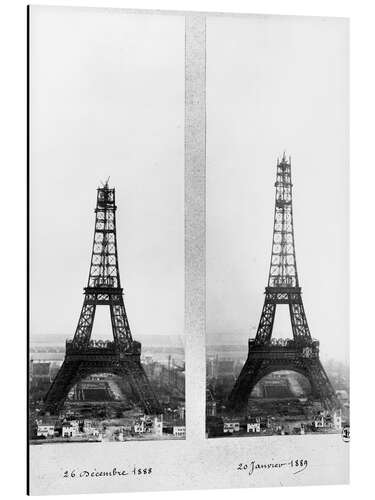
(274,84)
(106,99)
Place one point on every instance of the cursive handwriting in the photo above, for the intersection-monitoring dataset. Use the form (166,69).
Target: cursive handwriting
(297,466)
(115,472)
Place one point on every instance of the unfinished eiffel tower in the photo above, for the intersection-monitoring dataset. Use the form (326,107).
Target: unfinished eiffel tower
(85,357)
(267,354)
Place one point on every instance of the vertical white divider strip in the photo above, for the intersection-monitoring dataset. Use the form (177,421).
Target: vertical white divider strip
(195,223)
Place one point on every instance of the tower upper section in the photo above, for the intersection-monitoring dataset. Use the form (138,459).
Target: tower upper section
(283,267)
(104,269)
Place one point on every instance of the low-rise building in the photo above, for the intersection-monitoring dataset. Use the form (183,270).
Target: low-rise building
(157,426)
(253,427)
(179,430)
(45,430)
(328,421)
(337,420)
(142,425)
(319,421)
(89,428)
(70,428)
(139,427)
(231,427)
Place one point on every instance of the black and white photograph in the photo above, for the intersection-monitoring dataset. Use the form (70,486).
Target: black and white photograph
(277,227)
(188,250)
(106,348)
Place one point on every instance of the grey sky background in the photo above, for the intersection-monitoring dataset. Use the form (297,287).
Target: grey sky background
(107,99)
(276,83)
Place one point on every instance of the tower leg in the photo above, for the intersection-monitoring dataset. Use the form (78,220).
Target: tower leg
(320,384)
(141,386)
(61,386)
(244,385)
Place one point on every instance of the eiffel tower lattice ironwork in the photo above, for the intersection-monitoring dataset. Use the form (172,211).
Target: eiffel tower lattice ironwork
(85,357)
(266,354)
